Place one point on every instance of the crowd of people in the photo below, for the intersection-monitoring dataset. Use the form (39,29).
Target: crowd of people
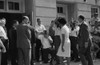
(25,44)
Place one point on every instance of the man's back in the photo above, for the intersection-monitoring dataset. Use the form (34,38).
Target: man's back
(23,36)
(84,35)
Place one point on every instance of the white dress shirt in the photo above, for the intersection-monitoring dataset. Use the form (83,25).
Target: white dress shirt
(45,41)
(39,29)
(75,31)
(3,33)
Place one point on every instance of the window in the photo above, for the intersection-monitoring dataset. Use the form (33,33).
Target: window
(94,10)
(1,4)
(13,5)
(96,1)
(16,6)
(10,5)
(60,10)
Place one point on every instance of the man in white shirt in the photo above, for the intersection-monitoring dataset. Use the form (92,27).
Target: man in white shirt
(74,41)
(46,41)
(39,28)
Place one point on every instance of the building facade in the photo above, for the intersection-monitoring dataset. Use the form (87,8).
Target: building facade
(48,10)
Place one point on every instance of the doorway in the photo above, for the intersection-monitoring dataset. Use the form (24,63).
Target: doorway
(10,17)
(66,10)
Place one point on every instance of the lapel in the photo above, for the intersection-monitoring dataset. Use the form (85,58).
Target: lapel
(5,29)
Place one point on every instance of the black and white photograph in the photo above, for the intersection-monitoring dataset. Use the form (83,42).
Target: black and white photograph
(49,32)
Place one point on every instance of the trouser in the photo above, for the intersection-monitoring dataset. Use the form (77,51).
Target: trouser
(0,57)
(46,53)
(4,57)
(98,54)
(57,42)
(74,48)
(14,56)
(24,56)
(85,56)
(52,49)
(38,50)
(33,54)
(45,58)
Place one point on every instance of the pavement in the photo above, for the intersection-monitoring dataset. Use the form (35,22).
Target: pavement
(96,62)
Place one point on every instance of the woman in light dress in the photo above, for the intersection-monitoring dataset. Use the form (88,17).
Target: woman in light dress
(64,48)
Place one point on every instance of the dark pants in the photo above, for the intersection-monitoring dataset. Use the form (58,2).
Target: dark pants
(24,56)
(85,56)
(45,58)
(52,50)
(14,56)
(33,54)
(74,48)
(38,50)
(4,57)
(46,53)
(57,42)
(98,54)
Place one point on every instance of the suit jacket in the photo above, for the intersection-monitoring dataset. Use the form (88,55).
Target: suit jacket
(24,36)
(12,38)
(83,36)
(33,38)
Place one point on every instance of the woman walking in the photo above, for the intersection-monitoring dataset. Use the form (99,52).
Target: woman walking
(64,48)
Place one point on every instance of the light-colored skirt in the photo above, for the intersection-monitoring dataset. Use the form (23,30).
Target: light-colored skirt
(67,50)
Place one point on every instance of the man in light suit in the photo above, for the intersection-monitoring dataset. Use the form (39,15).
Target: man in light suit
(4,39)
(24,42)
(84,42)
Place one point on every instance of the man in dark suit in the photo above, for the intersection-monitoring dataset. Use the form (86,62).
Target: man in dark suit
(13,43)
(24,41)
(84,42)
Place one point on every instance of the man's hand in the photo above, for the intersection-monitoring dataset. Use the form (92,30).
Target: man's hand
(86,44)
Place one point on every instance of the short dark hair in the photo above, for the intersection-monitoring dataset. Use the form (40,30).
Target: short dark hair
(82,17)
(61,20)
(52,21)
(38,19)
(14,21)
